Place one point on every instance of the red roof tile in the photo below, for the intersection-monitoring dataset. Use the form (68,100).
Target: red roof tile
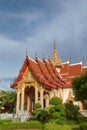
(75,69)
(84,69)
(65,68)
(45,73)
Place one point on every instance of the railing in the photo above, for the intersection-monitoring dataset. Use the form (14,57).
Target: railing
(83,112)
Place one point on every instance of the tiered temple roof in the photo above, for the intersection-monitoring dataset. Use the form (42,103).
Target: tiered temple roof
(44,71)
(69,71)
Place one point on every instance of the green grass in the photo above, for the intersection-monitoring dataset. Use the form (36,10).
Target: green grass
(75,127)
(8,125)
(35,125)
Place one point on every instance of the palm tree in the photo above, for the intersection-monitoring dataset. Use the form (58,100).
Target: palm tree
(8,100)
(2,94)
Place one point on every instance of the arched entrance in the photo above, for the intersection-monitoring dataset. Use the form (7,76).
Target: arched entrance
(29,98)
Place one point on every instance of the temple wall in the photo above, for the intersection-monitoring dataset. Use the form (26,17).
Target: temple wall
(65,94)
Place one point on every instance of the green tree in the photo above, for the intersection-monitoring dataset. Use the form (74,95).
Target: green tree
(80,87)
(44,115)
(36,111)
(8,100)
(72,111)
(1,103)
(57,110)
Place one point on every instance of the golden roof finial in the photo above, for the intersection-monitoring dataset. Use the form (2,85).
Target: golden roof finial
(35,54)
(54,44)
(83,60)
(69,59)
(48,56)
(26,52)
(43,55)
(54,39)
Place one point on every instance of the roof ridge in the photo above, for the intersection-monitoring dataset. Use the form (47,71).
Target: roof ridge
(76,63)
(67,62)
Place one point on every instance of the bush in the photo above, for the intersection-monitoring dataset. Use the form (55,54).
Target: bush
(36,110)
(43,115)
(66,127)
(75,127)
(70,122)
(53,126)
(72,111)
(55,101)
(57,110)
(83,126)
(82,119)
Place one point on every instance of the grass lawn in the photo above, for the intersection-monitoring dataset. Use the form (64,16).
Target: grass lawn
(75,127)
(8,125)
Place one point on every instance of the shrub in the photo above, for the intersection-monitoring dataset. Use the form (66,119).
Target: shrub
(53,126)
(72,111)
(83,126)
(36,106)
(36,110)
(57,110)
(43,115)
(82,119)
(70,122)
(55,101)
(66,127)
(75,127)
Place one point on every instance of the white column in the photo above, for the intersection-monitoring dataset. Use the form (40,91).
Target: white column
(41,97)
(36,94)
(57,92)
(28,104)
(18,102)
(51,94)
(22,101)
(47,102)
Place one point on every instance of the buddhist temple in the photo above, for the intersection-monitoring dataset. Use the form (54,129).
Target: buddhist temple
(40,80)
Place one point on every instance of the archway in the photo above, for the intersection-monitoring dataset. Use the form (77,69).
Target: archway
(29,98)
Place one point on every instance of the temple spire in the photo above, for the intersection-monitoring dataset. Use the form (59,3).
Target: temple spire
(54,44)
(55,58)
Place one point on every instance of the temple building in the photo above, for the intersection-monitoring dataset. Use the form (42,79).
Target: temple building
(40,80)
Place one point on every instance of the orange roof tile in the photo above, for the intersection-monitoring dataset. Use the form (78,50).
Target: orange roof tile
(65,68)
(21,73)
(84,69)
(75,69)
(45,73)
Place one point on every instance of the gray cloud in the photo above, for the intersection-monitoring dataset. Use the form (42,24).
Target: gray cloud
(33,29)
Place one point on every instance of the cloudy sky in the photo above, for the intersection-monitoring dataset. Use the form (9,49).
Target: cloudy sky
(31,24)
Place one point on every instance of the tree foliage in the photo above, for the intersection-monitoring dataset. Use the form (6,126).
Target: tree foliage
(80,87)
(57,111)
(8,100)
(44,115)
(36,111)
(72,111)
